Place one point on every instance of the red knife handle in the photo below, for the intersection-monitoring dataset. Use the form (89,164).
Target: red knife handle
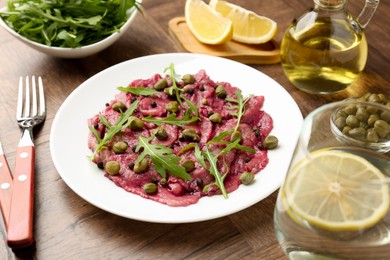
(5,189)
(21,216)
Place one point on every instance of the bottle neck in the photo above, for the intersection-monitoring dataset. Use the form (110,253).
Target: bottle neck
(331,4)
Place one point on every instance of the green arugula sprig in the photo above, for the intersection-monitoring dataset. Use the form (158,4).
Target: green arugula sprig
(67,23)
(212,158)
(162,157)
(240,101)
(121,123)
(172,120)
(139,91)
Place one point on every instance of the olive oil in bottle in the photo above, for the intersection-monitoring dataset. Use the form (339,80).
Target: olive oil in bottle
(324,51)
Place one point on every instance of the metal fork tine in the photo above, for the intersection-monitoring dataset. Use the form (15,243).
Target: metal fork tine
(34,97)
(27,99)
(19,108)
(42,105)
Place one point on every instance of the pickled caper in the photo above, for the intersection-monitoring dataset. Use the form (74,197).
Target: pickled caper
(150,188)
(161,134)
(188,165)
(161,85)
(171,92)
(236,135)
(188,79)
(372,136)
(216,118)
(112,167)
(340,122)
(172,106)
(136,123)
(352,121)
(358,133)
(141,166)
(247,178)
(119,106)
(220,92)
(382,128)
(190,135)
(270,142)
(120,147)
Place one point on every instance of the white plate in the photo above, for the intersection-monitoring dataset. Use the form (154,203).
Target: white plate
(68,138)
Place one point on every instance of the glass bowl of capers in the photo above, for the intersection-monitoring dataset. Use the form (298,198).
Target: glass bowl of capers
(364,122)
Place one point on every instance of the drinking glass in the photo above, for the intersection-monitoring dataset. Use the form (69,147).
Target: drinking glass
(334,202)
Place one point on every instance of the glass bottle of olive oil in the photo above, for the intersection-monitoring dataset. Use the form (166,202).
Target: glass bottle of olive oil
(325,50)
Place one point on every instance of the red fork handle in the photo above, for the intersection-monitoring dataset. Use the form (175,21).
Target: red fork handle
(5,189)
(21,216)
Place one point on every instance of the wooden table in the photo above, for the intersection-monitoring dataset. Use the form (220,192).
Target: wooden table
(67,227)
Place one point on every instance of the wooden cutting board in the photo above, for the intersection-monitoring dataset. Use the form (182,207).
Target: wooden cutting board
(267,53)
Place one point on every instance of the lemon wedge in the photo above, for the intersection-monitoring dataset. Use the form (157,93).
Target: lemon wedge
(336,191)
(248,27)
(207,25)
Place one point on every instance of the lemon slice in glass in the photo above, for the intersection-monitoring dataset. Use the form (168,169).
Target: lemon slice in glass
(207,25)
(248,27)
(336,191)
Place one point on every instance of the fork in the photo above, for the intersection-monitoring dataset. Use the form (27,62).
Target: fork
(30,112)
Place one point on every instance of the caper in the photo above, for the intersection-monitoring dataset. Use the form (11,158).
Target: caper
(270,142)
(382,128)
(141,166)
(236,135)
(357,133)
(372,110)
(136,123)
(150,188)
(385,115)
(346,129)
(362,114)
(190,135)
(372,136)
(188,165)
(350,110)
(161,134)
(352,121)
(113,167)
(204,101)
(220,91)
(188,79)
(371,119)
(120,147)
(374,98)
(119,106)
(163,182)
(161,85)
(171,92)
(340,122)
(247,178)
(216,118)
(172,106)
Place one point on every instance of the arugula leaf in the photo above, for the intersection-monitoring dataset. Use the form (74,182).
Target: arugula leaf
(141,91)
(121,123)
(219,178)
(162,157)
(173,76)
(240,106)
(67,23)
(172,120)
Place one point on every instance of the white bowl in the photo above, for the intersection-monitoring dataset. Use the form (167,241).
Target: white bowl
(79,52)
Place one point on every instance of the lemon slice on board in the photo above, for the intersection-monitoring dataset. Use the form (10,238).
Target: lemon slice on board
(333,191)
(248,27)
(207,25)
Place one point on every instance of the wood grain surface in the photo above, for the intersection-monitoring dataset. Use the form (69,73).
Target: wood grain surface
(67,227)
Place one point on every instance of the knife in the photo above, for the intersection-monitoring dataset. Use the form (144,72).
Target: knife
(5,187)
